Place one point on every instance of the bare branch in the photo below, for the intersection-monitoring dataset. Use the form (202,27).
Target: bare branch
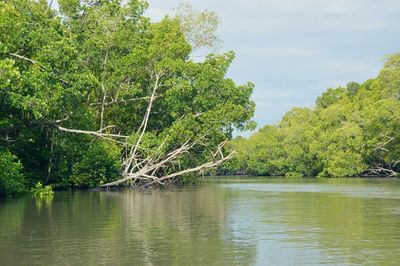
(27,59)
(39,64)
(102,107)
(148,172)
(380,171)
(143,126)
(93,133)
(125,101)
(381,146)
(198,168)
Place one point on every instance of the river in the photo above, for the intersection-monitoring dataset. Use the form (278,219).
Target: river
(223,221)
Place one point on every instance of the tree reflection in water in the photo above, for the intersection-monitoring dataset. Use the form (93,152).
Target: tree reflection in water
(183,226)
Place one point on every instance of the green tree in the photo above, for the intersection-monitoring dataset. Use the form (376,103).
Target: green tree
(200,28)
(352,130)
(11,178)
(101,72)
(98,165)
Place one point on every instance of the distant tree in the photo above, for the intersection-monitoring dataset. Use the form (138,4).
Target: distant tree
(353,130)
(200,27)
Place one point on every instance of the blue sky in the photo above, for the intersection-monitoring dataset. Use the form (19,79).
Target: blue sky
(293,50)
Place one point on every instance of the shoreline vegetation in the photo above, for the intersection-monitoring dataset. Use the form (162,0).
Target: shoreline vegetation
(352,131)
(94,95)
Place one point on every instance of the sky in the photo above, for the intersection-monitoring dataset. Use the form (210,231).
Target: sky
(293,50)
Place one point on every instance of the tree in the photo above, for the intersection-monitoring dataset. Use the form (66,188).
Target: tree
(200,28)
(11,178)
(101,72)
(352,130)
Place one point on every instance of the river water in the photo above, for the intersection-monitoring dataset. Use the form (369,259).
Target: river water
(228,221)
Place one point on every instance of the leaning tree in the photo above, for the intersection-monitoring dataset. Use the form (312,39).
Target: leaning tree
(101,72)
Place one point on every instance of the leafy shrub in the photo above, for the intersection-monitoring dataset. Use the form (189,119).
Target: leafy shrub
(345,164)
(40,191)
(100,164)
(11,178)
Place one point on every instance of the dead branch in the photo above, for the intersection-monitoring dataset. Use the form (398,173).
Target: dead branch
(118,101)
(27,59)
(149,171)
(143,126)
(93,133)
(380,171)
(198,168)
(381,146)
(41,66)
(102,107)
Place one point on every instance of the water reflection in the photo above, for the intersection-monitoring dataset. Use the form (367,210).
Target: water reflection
(157,227)
(235,222)
(321,223)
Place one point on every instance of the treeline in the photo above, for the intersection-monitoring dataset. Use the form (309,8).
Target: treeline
(351,131)
(95,93)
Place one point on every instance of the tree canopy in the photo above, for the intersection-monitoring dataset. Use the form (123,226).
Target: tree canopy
(352,130)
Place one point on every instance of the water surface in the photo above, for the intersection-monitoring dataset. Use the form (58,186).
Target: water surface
(229,221)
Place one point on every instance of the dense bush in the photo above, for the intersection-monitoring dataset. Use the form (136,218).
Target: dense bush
(11,178)
(99,164)
(352,130)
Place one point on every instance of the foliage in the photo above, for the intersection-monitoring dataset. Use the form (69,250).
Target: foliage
(71,78)
(42,191)
(352,130)
(200,27)
(11,177)
(98,165)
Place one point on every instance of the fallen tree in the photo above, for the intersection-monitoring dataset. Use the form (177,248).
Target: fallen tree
(96,94)
(151,170)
